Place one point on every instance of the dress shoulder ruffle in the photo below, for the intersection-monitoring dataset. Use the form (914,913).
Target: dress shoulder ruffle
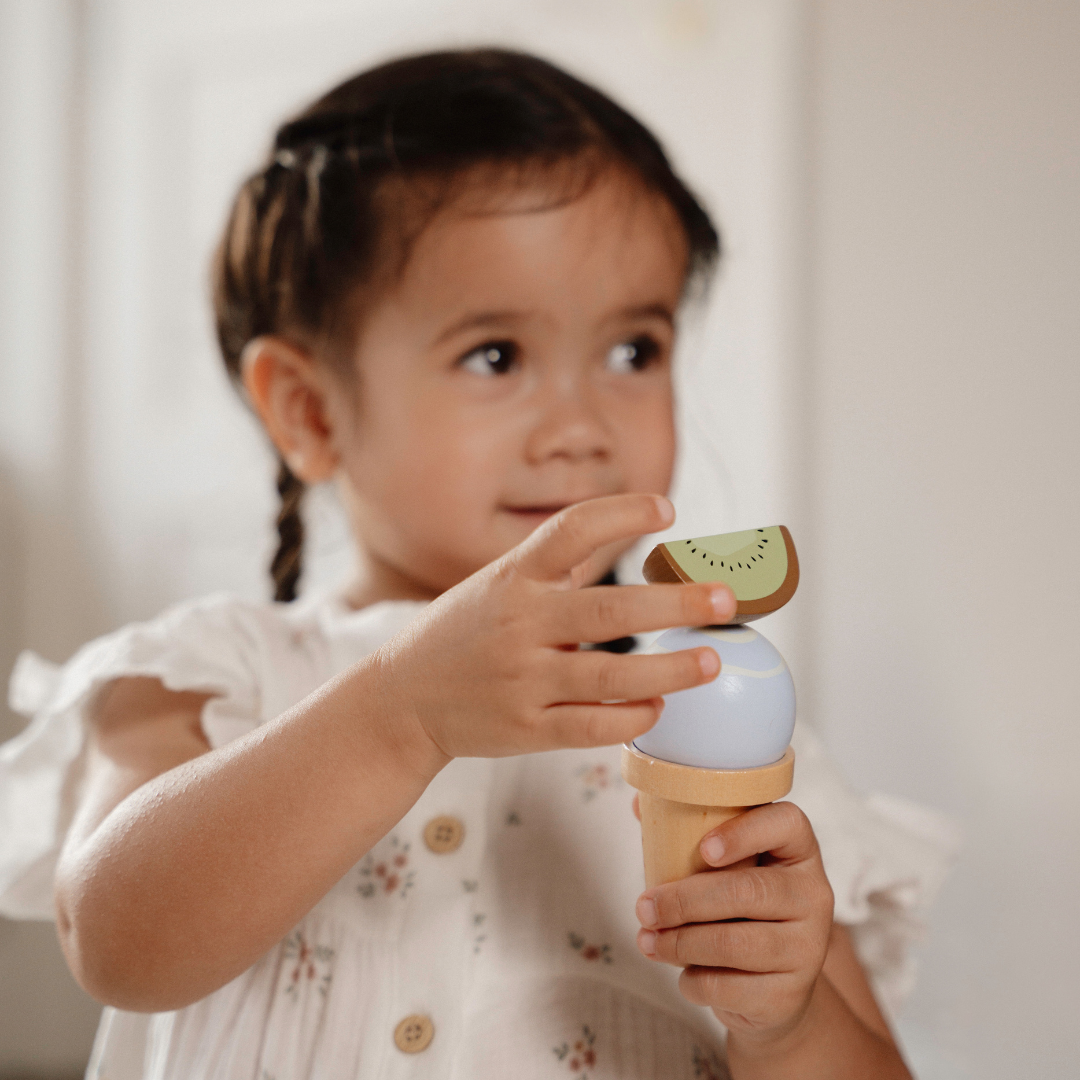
(210,645)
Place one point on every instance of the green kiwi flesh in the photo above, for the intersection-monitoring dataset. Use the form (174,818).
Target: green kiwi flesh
(760,565)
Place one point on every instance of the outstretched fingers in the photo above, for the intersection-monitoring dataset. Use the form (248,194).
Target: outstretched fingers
(566,540)
(603,614)
(597,676)
(588,725)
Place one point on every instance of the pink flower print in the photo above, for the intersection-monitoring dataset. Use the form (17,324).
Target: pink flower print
(588,951)
(580,1057)
(388,875)
(310,963)
(596,778)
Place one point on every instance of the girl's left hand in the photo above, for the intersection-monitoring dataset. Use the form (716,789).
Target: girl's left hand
(752,936)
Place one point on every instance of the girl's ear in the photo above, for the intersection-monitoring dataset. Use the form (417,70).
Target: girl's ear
(289,393)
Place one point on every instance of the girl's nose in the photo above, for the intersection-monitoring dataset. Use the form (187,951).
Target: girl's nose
(569,427)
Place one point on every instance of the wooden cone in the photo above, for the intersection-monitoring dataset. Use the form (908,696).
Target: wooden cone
(681,803)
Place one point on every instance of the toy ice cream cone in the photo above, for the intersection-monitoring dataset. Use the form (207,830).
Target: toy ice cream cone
(681,803)
(721,748)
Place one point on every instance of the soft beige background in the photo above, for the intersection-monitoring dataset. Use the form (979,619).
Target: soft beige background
(892,366)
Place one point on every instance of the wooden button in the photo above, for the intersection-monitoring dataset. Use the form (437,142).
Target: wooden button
(414,1034)
(444,834)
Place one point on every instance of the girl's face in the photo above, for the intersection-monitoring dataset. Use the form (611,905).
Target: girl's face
(520,363)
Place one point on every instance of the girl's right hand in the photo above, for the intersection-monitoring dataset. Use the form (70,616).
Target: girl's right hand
(159,905)
(492,668)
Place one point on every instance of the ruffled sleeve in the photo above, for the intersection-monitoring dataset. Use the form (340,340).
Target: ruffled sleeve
(204,646)
(886,859)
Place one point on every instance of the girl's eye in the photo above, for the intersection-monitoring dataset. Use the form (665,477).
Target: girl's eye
(635,355)
(492,358)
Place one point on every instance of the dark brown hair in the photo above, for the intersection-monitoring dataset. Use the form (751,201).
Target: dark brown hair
(306,231)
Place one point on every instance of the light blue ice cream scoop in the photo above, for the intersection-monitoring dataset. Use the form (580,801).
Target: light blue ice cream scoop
(741,720)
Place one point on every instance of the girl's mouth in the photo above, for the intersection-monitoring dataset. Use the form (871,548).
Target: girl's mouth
(535,513)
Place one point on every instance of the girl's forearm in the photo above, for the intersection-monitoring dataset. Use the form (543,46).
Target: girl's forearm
(828,1043)
(198,872)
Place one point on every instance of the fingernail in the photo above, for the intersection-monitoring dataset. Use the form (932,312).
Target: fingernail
(712,849)
(646,911)
(646,940)
(721,604)
(709,662)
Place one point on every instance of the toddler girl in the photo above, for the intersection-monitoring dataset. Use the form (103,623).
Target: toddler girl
(381,833)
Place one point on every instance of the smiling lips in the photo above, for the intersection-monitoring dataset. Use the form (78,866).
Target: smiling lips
(537,513)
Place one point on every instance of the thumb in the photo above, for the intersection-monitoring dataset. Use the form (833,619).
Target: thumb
(779,829)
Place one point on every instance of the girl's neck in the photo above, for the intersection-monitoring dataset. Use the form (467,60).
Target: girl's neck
(377,580)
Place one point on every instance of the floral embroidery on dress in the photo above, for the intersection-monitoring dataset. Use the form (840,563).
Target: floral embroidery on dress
(588,951)
(596,778)
(387,875)
(580,1058)
(708,1066)
(311,962)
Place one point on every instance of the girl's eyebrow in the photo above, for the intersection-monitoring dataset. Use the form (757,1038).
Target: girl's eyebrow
(483,319)
(656,310)
(478,320)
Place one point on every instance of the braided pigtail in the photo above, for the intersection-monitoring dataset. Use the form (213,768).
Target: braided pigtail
(286,565)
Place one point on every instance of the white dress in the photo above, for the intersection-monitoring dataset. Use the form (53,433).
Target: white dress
(498,914)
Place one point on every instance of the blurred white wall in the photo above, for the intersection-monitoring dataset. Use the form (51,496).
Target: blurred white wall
(942,570)
(890,365)
(46,1023)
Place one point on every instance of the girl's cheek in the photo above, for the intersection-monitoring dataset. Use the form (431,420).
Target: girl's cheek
(648,444)
(443,465)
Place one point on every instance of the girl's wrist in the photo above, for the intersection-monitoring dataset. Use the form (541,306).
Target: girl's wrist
(767,1046)
(826,1040)
(395,721)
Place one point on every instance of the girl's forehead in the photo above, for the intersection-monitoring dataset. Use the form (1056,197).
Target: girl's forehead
(532,246)
(585,259)
(611,194)
(556,217)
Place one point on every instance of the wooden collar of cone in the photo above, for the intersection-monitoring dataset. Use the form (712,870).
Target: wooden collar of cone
(681,803)
(708,787)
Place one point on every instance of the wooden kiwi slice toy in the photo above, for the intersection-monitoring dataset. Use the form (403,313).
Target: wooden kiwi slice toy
(760,565)
(680,803)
